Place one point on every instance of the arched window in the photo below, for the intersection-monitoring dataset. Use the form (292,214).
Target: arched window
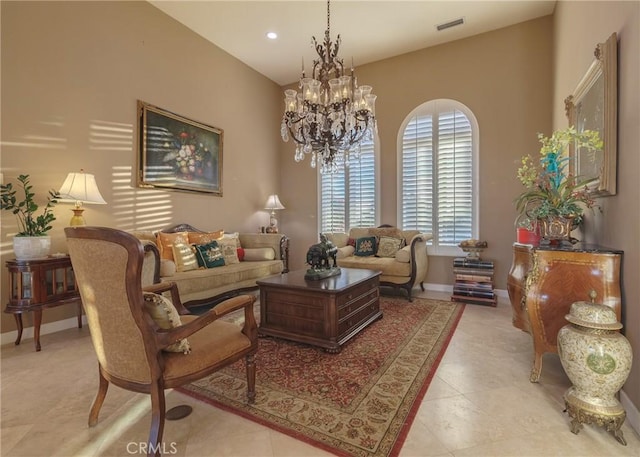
(437,178)
(348,198)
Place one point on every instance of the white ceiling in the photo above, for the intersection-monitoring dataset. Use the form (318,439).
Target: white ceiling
(370,30)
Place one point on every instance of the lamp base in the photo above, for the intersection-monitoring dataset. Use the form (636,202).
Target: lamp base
(77,219)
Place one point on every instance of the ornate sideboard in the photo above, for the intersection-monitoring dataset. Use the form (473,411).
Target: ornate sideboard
(543,282)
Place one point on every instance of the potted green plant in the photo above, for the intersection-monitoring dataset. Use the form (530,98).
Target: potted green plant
(31,241)
(554,198)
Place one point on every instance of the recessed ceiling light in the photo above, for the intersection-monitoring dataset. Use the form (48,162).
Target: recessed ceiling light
(272,35)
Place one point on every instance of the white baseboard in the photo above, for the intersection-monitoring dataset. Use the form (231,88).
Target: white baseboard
(633,414)
(51,327)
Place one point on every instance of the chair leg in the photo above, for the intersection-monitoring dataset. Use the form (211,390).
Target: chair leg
(250,363)
(157,418)
(97,403)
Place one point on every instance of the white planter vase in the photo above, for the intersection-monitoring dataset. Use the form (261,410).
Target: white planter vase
(31,247)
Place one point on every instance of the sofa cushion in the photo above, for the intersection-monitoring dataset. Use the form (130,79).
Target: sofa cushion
(165,242)
(235,236)
(204,237)
(386,231)
(229,247)
(209,255)
(254,254)
(365,246)
(345,251)
(166,316)
(358,232)
(339,239)
(404,254)
(388,246)
(387,265)
(184,257)
(167,267)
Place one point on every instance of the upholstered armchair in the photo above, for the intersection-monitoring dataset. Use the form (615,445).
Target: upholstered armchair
(144,341)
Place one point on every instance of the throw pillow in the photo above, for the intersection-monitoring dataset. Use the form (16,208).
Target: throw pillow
(229,248)
(166,316)
(386,231)
(167,268)
(184,257)
(254,254)
(165,242)
(240,254)
(233,236)
(365,246)
(209,255)
(388,246)
(204,238)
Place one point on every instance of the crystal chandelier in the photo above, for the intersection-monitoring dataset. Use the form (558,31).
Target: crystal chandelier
(331,116)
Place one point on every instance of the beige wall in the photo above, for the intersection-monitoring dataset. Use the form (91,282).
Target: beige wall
(578,27)
(503,76)
(71,75)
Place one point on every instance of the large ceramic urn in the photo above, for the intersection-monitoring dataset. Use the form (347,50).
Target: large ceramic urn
(597,360)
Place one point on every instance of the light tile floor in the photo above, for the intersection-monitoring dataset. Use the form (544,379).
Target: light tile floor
(480,403)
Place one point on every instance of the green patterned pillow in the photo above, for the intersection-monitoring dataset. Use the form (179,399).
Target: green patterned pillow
(209,255)
(365,246)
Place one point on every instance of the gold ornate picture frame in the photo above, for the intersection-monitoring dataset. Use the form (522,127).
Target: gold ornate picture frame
(594,106)
(178,153)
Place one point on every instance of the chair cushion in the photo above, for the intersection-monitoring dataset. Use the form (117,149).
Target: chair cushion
(166,316)
(212,345)
(209,255)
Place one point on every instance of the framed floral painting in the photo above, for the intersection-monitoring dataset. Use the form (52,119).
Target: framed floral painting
(178,153)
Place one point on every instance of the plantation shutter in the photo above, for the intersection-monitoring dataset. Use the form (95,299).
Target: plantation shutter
(348,198)
(455,161)
(437,173)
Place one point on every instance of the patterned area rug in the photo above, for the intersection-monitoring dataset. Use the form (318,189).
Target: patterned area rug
(360,402)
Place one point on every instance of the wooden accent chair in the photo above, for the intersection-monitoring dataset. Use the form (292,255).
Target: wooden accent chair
(130,345)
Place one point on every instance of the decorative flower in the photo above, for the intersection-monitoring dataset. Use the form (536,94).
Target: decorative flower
(550,189)
(189,158)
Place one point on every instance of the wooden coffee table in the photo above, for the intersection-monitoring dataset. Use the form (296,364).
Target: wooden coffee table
(325,313)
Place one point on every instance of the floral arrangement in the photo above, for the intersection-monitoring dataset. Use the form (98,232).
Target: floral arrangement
(550,189)
(190,158)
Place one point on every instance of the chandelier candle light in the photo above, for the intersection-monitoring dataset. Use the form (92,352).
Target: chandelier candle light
(331,116)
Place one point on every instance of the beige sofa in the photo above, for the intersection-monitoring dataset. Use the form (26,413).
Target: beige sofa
(265,255)
(403,268)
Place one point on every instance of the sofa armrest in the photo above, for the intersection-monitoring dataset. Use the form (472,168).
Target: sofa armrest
(278,242)
(419,257)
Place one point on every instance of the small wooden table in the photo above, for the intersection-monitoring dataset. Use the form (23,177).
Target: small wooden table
(325,313)
(38,284)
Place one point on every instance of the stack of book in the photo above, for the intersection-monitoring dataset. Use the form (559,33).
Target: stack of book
(473,281)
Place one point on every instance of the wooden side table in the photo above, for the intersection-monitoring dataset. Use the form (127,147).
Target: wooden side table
(38,284)
(544,281)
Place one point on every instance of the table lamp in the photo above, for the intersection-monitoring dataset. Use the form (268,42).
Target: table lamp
(273,204)
(80,188)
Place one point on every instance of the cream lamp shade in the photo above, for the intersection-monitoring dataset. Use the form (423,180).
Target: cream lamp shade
(273,204)
(80,188)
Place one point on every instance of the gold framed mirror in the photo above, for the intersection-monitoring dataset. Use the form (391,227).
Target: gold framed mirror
(594,106)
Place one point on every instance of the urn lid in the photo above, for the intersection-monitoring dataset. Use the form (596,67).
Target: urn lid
(592,315)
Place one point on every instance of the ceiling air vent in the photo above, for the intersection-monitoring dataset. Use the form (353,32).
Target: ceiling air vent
(450,24)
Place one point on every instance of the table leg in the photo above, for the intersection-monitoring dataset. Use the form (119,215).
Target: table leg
(79,314)
(18,317)
(37,320)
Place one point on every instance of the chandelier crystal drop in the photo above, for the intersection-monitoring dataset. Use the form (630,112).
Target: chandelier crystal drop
(331,116)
